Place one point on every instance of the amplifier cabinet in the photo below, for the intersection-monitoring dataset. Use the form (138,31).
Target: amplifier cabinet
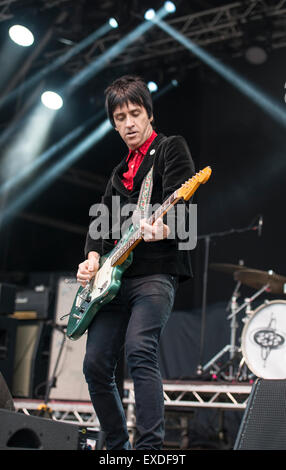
(24,359)
(67,356)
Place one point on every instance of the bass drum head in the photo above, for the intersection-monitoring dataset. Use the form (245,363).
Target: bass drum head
(264,341)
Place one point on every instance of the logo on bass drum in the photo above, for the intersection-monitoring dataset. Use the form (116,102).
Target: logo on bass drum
(268,338)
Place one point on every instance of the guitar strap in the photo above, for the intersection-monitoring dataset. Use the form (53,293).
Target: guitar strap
(144,198)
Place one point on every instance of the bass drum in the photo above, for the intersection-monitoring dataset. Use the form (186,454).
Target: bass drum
(264,341)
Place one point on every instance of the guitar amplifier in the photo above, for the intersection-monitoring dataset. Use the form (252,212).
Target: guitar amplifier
(34,303)
(67,356)
(24,355)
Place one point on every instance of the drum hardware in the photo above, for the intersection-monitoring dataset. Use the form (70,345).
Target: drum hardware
(248,309)
(266,281)
(232,348)
(243,373)
(207,238)
(263,341)
(247,302)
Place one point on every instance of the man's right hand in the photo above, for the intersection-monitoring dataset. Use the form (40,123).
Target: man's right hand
(88,268)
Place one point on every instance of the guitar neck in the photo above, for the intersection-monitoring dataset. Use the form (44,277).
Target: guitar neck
(136,237)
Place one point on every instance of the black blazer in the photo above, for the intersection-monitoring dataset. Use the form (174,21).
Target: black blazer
(172,166)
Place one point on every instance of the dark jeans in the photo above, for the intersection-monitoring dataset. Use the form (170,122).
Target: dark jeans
(136,318)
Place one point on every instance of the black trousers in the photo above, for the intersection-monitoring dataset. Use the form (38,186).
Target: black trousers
(134,318)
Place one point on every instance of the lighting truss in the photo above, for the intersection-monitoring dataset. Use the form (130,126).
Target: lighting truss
(216,26)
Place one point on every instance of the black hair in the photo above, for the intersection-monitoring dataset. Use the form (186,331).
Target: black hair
(127,88)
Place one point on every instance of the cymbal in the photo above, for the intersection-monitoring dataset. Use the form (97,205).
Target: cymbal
(257,279)
(226,267)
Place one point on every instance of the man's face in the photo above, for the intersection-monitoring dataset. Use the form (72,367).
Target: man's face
(133,124)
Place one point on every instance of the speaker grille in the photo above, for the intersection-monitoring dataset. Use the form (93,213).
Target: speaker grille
(264,422)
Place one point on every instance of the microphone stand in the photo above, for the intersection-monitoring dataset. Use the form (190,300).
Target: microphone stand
(207,239)
(44,409)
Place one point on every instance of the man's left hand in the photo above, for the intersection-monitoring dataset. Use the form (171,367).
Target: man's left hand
(155,232)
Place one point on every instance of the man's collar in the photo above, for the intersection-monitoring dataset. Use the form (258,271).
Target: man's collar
(144,147)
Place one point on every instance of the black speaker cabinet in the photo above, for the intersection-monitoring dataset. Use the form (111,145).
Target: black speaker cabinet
(263,426)
(6,400)
(19,431)
(7,299)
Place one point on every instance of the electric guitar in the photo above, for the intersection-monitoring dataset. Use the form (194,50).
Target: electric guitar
(107,281)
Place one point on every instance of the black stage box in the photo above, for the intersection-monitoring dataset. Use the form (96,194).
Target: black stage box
(19,431)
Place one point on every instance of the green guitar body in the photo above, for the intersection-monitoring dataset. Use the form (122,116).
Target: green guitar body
(77,326)
(85,307)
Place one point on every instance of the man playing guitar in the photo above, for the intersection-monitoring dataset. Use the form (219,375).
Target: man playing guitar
(135,318)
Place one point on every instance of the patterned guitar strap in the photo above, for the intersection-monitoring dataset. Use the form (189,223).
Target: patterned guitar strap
(144,198)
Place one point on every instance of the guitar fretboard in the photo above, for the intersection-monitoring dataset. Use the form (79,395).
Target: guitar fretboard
(137,235)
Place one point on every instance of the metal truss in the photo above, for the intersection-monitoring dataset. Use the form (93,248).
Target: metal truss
(217,25)
(4,9)
(81,413)
(177,397)
(202,395)
(214,26)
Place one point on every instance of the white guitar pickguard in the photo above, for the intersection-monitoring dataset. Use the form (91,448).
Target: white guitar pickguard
(102,280)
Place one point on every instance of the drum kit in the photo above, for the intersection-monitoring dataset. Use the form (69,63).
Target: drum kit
(260,350)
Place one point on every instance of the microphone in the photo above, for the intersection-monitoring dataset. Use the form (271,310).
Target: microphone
(260,225)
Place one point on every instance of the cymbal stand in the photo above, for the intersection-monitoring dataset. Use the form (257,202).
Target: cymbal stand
(231,347)
(249,300)
(233,327)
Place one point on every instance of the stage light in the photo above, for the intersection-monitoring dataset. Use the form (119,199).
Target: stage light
(170,7)
(52,100)
(175,82)
(153,87)
(113,23)
(59,62)
(21,35)
(150,14)
(256,55)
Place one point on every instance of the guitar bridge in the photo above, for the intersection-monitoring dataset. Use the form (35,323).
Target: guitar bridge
(76,316)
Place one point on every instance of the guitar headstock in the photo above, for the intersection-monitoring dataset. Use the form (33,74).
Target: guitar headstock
(189,187)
